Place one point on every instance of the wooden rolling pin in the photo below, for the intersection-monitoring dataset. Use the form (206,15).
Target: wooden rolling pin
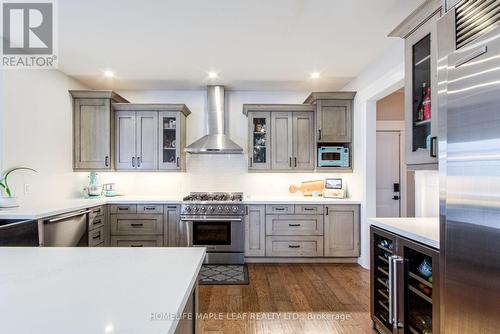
(309,187)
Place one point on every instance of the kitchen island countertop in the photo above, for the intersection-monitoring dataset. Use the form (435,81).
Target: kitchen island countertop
(95,290)
(423,230)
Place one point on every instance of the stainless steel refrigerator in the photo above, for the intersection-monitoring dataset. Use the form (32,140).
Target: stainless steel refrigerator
(469,167)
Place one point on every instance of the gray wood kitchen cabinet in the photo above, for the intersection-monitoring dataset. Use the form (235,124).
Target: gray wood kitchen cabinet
(255,230)
(419,31)
(281,140)
(136,140)
(333,116)
(98,227)
(342,230)
(150,136)
(175,236)
(259,140)
(93,127)
(280,136)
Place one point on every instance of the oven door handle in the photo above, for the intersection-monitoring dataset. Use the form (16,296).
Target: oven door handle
(188,234)
(211,219)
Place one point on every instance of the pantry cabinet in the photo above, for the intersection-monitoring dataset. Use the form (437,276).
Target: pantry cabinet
(150,136)
(421,105)
(93,127)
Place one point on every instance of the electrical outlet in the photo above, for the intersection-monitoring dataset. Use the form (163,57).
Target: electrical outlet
(27,188)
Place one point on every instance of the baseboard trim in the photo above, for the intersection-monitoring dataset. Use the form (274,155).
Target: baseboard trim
(301,260)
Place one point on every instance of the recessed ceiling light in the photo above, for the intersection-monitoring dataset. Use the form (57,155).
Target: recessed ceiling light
(109,328)
(109,74)
(212,75)
(315,75)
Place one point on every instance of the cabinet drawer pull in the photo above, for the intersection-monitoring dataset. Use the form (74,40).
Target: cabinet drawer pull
(137,225)
(123,208)
(279,209)
(171,207)
(293,246)
(294,225)
(96,236)
(97,222)
(149,208)
(310,209)
(97,211)
(135,245)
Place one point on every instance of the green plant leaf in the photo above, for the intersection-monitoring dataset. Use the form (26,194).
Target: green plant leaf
(6,185)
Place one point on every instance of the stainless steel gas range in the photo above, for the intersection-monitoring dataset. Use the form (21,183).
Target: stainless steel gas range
(215,221)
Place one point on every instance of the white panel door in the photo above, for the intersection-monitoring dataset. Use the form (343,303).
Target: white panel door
(388,174)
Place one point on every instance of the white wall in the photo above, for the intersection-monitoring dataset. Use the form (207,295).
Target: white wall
(381,78)
(36,131)
(216,172)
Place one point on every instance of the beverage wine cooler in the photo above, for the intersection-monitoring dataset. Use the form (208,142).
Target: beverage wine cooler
(404,285)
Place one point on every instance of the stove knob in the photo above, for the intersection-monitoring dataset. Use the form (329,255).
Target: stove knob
(219,208)
(235,209)
(194,209)
(188,209)
(228,209)
(203,209)
(211,208)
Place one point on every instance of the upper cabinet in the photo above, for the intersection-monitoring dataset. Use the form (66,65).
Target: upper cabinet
(150,136)
(280,137)
(421,112)
(333,131)
(93,126)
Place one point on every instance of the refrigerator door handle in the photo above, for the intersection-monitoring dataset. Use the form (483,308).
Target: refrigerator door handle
(395,323)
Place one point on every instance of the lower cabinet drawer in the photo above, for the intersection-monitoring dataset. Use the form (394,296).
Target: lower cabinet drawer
(149,208)
(144,224)
(137,241)
(294,224)
(96,236)
(96,222)
(294,246)
(123,208)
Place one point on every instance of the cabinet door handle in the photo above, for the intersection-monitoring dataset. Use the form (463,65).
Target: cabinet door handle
(290,161)
(250,162)
(178,165)
(246,210)
(136,224)
(295,161)
(294,225)
(106,161)
(293,246)
(133,162)
(138,162)
(327,212)
(433,150)
(319,134)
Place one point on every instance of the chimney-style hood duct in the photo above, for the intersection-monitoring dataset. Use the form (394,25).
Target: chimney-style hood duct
(216,141)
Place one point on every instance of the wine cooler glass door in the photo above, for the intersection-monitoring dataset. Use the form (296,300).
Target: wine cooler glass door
(258,134)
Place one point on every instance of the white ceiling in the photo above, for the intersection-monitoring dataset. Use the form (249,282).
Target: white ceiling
(252,44)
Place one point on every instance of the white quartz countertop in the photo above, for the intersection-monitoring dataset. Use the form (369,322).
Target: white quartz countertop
(95,290)
(41,209)
(423,230)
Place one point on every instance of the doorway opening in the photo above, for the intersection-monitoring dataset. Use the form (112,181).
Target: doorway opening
(390,159)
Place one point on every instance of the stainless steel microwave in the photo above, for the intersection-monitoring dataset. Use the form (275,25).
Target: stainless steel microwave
(333,156)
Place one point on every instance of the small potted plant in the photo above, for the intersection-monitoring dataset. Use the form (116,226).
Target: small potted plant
(6,198)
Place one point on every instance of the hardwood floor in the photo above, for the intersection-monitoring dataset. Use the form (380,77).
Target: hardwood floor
(290,298)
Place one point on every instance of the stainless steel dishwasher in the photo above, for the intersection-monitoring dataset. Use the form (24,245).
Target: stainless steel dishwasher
(66,230)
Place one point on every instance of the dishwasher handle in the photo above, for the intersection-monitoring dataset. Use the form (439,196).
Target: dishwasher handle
(71,215)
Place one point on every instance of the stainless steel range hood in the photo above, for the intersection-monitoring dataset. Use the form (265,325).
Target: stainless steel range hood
(215,141)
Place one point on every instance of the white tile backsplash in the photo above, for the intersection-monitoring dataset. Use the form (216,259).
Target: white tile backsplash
(426,194)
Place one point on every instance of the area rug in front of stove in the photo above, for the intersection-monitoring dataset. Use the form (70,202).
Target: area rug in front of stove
(223,274)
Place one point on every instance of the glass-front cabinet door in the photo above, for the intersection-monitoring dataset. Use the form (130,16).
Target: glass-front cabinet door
(420,94)
(259,154)
(169,132)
